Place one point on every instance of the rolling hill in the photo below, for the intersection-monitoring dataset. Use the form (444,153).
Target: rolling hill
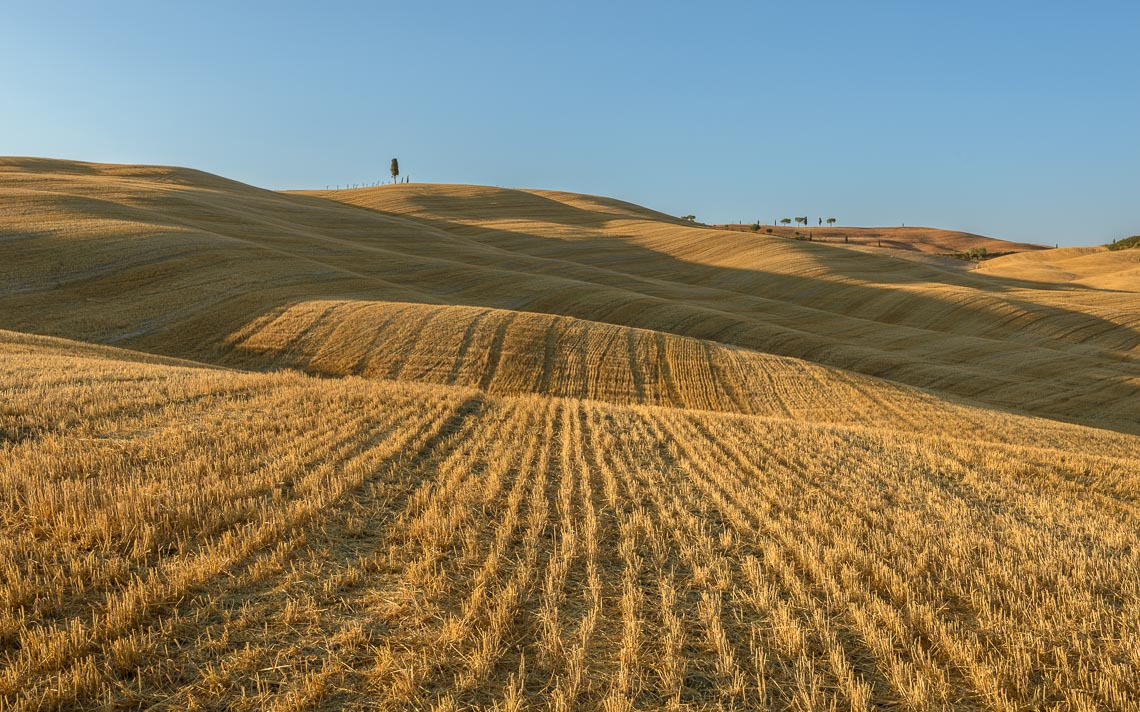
(917,239)
(1095,267)
(176,262)
(448,447)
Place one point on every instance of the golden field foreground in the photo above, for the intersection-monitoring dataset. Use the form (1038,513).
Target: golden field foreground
(450,447)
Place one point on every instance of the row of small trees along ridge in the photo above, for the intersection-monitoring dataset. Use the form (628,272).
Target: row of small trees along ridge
(803,221)
(783,221)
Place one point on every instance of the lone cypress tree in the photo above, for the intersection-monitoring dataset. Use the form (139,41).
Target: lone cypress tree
(395,170)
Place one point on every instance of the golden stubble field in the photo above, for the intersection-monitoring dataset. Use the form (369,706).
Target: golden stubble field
(461,447)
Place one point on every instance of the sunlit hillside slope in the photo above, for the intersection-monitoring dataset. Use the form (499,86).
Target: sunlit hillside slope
(454,447)
(1096,267)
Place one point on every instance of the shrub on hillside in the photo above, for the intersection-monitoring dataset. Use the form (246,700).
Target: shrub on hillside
(1125,244)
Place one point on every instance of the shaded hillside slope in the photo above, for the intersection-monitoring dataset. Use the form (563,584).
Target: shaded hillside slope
(177,262)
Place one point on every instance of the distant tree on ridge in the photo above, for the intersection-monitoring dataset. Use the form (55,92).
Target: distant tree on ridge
(395,170)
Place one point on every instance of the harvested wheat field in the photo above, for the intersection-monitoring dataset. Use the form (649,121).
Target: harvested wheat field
(1096,267)
(450,447)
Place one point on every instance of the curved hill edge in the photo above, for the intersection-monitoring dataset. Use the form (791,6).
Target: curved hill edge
(911,415)
(510,353)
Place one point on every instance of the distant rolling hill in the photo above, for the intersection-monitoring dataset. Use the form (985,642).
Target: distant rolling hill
(918,239)
(1096,267)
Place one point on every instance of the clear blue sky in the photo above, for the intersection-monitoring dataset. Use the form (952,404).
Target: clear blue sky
(1015,119)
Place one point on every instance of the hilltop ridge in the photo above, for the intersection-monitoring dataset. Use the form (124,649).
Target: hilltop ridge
(928,240)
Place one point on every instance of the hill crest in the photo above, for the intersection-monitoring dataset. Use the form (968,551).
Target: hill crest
(929,240)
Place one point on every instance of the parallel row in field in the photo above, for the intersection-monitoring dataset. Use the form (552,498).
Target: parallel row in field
(130,489)
(175,262)
(197,538)
(510,353)
(514,353)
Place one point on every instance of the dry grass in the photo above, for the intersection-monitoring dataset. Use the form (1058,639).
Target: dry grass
(199,538)
(552,451)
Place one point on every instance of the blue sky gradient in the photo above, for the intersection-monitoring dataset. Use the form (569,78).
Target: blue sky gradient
(1019,120)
